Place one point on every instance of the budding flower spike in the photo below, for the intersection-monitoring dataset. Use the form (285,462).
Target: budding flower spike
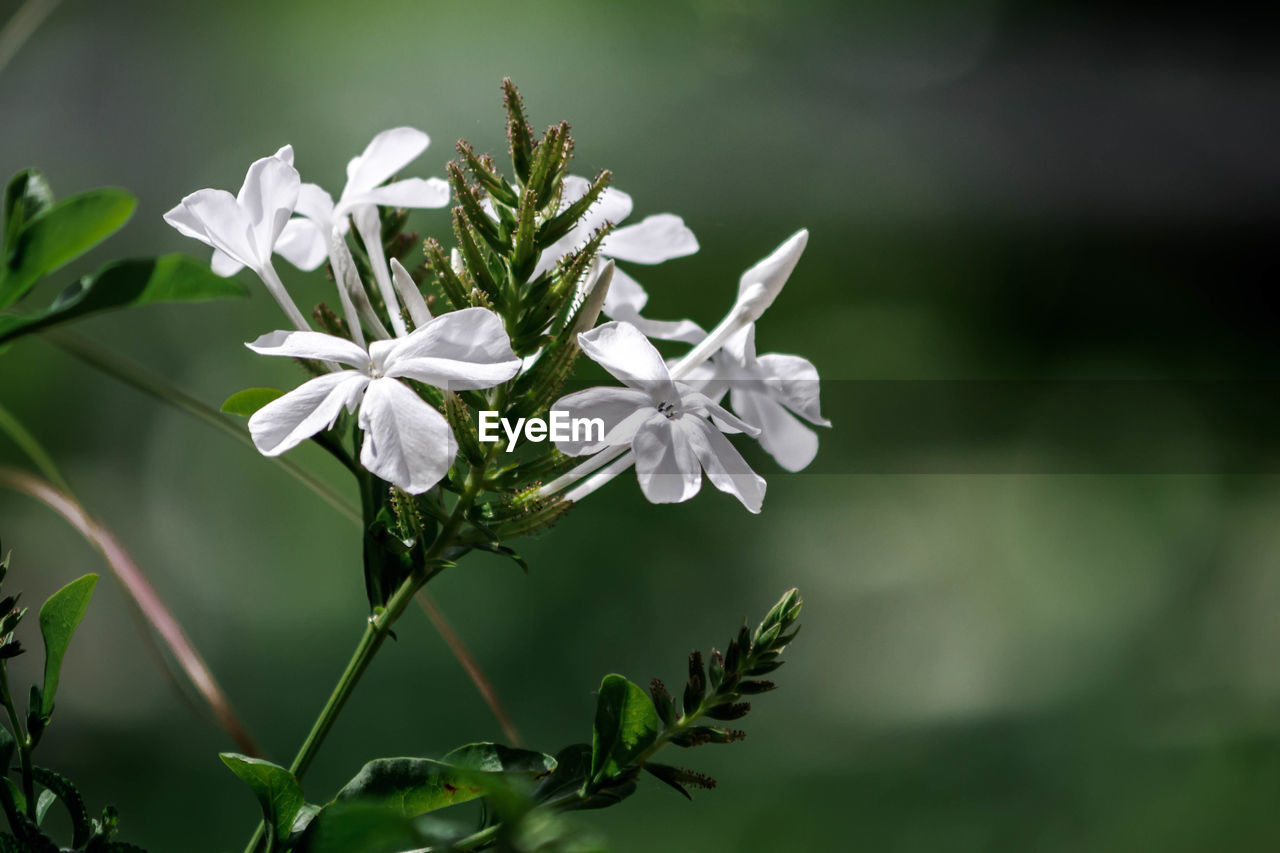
(247,228)
(407,442)
(669,426)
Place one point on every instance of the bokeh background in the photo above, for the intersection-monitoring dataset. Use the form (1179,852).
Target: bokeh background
(1051,629)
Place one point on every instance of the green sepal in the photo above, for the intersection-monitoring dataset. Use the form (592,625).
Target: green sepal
(519,133)
(476,216)
(562,223)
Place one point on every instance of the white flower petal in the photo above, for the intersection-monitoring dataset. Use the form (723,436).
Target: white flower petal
(223,264)
(302,244)
(793,381)
(685,331)
(761,284)
(624,292)
(782,434)
(652,240)
(724,465)
(622,350)
(308,409)
(285,153)
(224,224)
(621,409)
(410,295)
(268,196)
(411,192)
(700,404)
(311,345)
(315,204)
(572,188)
(406,442)
(611,206)
(666,464)
(461,350)
(186,223)
(388,153)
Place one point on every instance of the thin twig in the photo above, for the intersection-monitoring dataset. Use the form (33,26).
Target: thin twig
(140,589)
(468,661)
(161,389)
(20,27)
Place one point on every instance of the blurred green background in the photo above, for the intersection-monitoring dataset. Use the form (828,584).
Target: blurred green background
(1002,650)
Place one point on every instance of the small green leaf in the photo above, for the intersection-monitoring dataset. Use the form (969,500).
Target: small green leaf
(275,787)
(26,196)
(626,725)
(168,278)
(415,786)
(47,799)
(59,617)
(248,401)
(59,235)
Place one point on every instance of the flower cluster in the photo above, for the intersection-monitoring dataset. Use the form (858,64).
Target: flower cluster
(497,323)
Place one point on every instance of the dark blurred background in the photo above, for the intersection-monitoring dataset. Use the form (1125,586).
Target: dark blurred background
(1022,639)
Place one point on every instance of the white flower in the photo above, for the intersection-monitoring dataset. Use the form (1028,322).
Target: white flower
(767,391)
(366,191)
(407,441)
(757,288)
(668,425)
(295,243)
(654,239)
(244,229)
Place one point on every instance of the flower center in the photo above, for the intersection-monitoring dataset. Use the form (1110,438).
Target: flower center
(667,410)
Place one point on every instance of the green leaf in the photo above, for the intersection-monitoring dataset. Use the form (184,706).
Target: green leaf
(70,797)
(248,401)
(26,196)
(276,788)
(141,281)
(626,725)
(485,757)
(47,799)
(360,827)
(59,235)
(415,786)
(59,617)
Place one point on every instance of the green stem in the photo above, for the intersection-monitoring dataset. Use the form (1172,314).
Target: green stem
(379,626)
(24,744)
(29,445)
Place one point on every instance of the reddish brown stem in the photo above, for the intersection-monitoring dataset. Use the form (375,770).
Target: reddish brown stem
(469,663)
(149,603)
